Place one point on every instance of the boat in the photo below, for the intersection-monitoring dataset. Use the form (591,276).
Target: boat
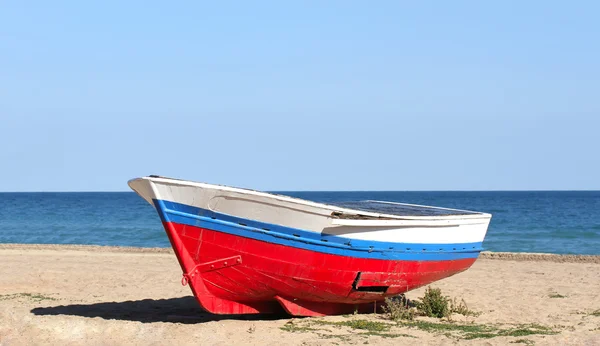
(244,251)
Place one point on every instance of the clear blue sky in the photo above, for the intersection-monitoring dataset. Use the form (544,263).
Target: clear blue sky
(281,95)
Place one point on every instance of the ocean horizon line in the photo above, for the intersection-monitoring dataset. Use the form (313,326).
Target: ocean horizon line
(318,191)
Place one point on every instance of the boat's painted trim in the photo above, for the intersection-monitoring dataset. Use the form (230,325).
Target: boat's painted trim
(193,216)
(406,223)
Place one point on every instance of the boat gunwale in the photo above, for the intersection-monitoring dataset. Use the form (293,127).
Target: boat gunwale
(300,236)
(364,216)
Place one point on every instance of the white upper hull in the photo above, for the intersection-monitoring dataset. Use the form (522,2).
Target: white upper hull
(296,213)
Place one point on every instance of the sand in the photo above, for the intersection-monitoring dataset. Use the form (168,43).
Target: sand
(73,295)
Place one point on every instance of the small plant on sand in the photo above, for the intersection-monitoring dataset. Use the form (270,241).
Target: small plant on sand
(292,327)
(461,308)
(398,308)
(31,296)
(361,327)
(556,295)
(523,341)
(479,331)
(373,326)
(434,304)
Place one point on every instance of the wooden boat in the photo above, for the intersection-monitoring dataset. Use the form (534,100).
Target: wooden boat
(245,252)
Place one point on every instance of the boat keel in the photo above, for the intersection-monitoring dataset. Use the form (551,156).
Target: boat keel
(297,307)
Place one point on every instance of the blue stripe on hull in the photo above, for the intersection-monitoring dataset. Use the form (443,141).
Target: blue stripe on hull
(203,218)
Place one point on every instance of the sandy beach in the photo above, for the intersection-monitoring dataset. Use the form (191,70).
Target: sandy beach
(74,295)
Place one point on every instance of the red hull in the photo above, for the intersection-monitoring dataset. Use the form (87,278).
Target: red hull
(230,274)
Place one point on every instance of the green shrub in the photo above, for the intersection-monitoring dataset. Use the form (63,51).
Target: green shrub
(434,304)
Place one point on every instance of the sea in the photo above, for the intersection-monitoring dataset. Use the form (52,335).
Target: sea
(561,222)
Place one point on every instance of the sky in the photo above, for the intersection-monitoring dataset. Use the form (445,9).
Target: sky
(300,95)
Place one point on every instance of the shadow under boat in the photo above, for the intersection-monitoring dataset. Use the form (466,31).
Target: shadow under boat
(174,310)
